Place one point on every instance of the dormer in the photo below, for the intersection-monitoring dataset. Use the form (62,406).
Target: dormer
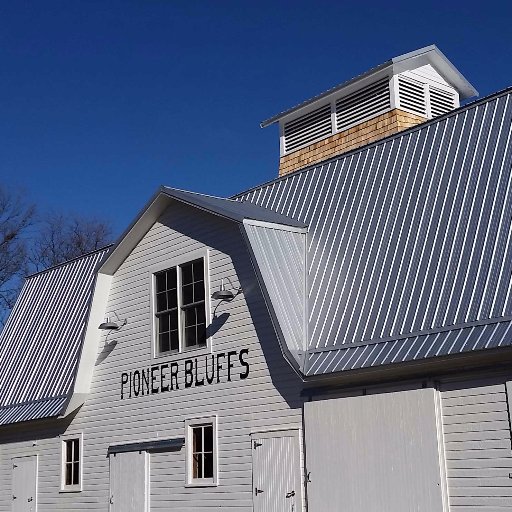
(402,92)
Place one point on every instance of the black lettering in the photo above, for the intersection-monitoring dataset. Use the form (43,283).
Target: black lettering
(145,382)
(208,378)
(174,375)
(230,364)
(244,363)
(130,391)
(219,365)
(162,378)
(153,380)
(136,383)
(198,382)
(189,376)
(124,380)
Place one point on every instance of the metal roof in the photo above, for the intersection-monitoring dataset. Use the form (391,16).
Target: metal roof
(230,209)
(408,234)
(432,53)
(41,341)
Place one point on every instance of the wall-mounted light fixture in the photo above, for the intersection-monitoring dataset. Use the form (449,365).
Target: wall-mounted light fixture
(109,325)
(225,295)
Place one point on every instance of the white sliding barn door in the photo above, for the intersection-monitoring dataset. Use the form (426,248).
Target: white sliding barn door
(129,482)
(24,484)
(276,473)
(374,453)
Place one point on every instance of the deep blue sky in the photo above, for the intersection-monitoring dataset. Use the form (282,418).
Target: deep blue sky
(103,101)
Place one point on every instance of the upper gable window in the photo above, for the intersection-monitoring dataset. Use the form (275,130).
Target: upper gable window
(180,307)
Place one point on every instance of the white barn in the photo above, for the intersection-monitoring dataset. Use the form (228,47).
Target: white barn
(335,340)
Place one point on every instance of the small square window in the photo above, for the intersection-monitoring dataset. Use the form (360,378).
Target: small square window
(180,307)
(72,464)
(202,453)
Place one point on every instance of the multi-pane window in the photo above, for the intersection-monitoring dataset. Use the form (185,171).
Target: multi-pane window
(202,463)
(167,310)
(71,463)
(180,307)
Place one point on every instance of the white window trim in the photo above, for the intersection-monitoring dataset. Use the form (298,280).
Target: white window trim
(68,437)
(201,482)
(175,262)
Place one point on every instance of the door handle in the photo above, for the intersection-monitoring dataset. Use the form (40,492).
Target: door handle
(290,494)
(257,491)
(30,499)
(111,500)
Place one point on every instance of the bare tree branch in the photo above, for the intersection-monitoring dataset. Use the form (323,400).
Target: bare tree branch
(29,244)
(61,238)
(16,217)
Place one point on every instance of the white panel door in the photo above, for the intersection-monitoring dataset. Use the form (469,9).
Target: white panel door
(129,482)
(24,484)
(276,473)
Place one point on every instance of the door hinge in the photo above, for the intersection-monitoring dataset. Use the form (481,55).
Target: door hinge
(257,445)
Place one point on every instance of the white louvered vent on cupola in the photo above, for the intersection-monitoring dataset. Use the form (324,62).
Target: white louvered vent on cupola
(362,105)
(441,101)
(416,93)
(411,96)
(308,128)
(424,98)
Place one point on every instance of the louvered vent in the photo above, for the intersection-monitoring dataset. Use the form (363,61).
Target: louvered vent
(308,128)
(441,101)
(364,104)
(412,95)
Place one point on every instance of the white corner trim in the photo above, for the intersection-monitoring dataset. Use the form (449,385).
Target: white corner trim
(91,339)
(272,225)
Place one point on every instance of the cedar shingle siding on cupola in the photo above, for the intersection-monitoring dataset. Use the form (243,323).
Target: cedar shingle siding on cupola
(366,132)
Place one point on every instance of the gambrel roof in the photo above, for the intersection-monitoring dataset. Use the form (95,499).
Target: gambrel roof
(398,251)
(41,342)
(409,252)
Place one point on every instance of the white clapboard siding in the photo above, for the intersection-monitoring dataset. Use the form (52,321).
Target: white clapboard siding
(478,451)
(260,402)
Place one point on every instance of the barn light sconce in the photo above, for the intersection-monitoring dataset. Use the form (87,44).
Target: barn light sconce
(109,325)
(225,295)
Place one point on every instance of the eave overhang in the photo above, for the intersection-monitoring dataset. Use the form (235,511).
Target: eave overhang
(427,55)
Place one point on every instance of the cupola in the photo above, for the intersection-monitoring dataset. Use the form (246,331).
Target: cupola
(402,92)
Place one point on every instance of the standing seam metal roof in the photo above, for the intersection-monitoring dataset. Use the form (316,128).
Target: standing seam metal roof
(41,341)
(408,234)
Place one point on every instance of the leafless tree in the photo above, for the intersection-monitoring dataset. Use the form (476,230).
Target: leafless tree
(16,218)
(30,242)
(62,237)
